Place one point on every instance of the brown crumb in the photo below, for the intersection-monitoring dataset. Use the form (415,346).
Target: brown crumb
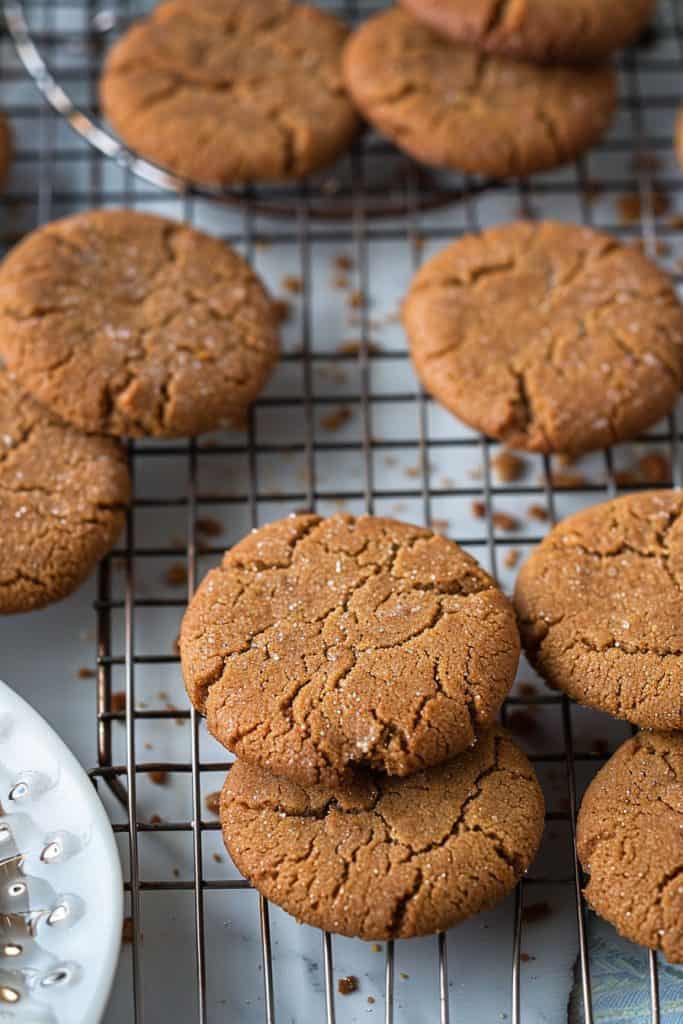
(217,858)
(539,512)
(522,723)
(525,958)
(569,481)
(655,468)
(404,975)
(440,525)
(292,284)
(371,1000)
(376,948)
(209,527)
(630,205)
(626,477)
(509,467)
(282,310)
(356,299)
(212,802)
(155,819)
(354,348)
(413,471)
(128,931)
(475,473)
(566,459)
(172,707)
(504,521)
(118,701)
(341,282)
(345,986)
(86,673)
(148,745)
(176,646)
(478,509)
(536,912)
(511,558)
(176,575)
(158,777)
(335,420)
(342,261)
(527,689)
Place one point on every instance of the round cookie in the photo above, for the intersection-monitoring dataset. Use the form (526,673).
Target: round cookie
(223,92)
(569,31)
(600,608)
(383,858)
(449,105)
(133,325)
(550,337)
(62,502)
(630,842)
(6,148)
(320,645)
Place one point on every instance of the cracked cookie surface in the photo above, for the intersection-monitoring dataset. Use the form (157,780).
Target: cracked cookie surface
(62,502)
(600,608)
(453,106)
(550,337)
(132,325)
(630,841)
(571,31)
(387,858)
(6,148)
(324,644)
(227,92)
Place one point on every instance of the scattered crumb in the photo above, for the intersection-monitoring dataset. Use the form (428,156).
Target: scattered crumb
(447,483)
(569,481)
(162,695)
(212,802)
(566,459)
(413,471)
(356,299)
(655,468)
(440,525)
(176,646)
(527,689)
(522,723)
(341,281)
(345,986)
(86,673)
(626,477)
(630,205)
(525,958)
(172,707)
(176,575)
(128,931)
(282,310)
(475,473)
(155,819)
(600,746)
(148,745)
(336,419)
(478,509)
(511,558)
(509,467)
(403,975)
(376,948)
(354,348)
(209,527)
(118,701)
(504,521)
(217,858)
(539,512)
(158,777)
(536,912)
(292,284)
(371,1000)
(176,872)
(342,261)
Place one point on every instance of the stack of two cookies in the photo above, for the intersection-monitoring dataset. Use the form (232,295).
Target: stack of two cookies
(355,667)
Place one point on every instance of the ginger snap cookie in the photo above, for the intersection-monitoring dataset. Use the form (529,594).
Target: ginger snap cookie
(324,644)
(384,858)
(62,502)
(222,91)
(450,105)
(630,841)
(569,31)
(6,148)
(129,324)
(550,337)
(600,608)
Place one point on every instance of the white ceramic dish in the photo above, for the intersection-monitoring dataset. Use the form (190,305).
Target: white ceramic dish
(61,894)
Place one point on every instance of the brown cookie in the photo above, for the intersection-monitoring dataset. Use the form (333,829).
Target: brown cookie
(449,105)
(570,31)
(222,91)
(323,644)
(550,337)
(62,502)
(630,841)
(601,608)
(129,324)
(6,148)
(387,858)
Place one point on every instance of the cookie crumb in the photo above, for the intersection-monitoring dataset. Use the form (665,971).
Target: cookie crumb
(626,477)
(212,802)
(440,526)
(282,310)
(525,958)
(209,526)
(504,521)
(508,467)
(478,509)
(217,858)
(567,481)
(345,986)
(354,348)
(630,205)
(155,819)
(118,701)
(511,558)
(539,512)
(376,948)
(655,468)
(404,975)
(158,777)
(343,262)
(176,575)
(335,420)
(86,673)
(371,1000)
(292,284)
(536,912)
(356,299)
(127,931)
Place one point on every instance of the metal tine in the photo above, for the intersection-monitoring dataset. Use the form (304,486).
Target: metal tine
(389,983)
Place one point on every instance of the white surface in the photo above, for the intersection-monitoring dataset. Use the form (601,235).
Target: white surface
(60,878)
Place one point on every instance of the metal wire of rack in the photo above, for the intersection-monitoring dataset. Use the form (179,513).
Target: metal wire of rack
(348,219)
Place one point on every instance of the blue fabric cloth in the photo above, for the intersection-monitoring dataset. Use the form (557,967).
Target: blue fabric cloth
(620,981)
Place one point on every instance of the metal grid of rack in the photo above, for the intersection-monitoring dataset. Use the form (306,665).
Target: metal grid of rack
(326,212)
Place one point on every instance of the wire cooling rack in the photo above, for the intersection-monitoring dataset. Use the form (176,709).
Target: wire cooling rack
(342,425)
